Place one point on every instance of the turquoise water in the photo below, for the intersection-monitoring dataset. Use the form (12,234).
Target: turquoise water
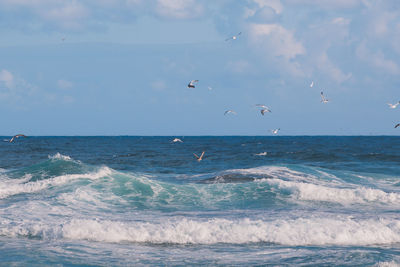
(118,201)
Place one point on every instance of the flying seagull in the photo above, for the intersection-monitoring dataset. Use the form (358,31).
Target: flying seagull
(312,84)
(261,105)
(191,84)
(177,140)
(275,131)
(397,125)
(393,105)
(230,111)
(233,37)
(199,158)
(323,99)
(265,110)
(15,137)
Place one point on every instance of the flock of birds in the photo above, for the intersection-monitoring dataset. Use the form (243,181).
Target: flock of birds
(263,108)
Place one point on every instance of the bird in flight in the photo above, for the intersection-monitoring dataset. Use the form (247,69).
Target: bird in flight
(234,37)
(15,137)
(177,140)
(265,110)
(230,111)
(191,84)
(275,131)
(323,99)
(393,105)
(199,158)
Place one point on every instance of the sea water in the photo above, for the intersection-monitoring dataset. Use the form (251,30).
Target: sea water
(132,201)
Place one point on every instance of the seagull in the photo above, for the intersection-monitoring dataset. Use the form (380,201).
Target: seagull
(199,158)
(312,84)
(176,140)
(397,125)
(275,131)
(15,137)
(323,99)
(233,37)
(230,111)
(261,106)
(393,105)
(265,110)
(191,84)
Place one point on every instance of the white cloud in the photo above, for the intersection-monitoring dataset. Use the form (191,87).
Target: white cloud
(325,65)
(279,41)
(64,84)
(274,4)
(377,59)
(179,9)
(7,79)
(327,4)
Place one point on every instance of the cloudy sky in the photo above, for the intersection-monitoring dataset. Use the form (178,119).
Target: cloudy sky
(121,67)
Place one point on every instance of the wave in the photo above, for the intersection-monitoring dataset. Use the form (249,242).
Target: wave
(251,188)
(295,232)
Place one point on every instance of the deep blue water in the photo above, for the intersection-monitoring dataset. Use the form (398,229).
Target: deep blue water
(131,201)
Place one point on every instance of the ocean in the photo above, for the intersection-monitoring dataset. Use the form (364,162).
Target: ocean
(136,201)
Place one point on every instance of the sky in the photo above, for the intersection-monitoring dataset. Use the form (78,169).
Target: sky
(121,67)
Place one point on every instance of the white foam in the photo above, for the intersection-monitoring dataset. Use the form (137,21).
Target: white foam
(9,187)
(314,192)
(388,264)
(303,231)
(60,156)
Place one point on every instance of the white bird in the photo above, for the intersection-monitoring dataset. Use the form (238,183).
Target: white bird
(199,158)
(312,84)
(275,131)
(261,154)
(233,37)
(265,110)
(15,137)
(393,105)
(176,140)
(230,111)
(191,84)
(323,99)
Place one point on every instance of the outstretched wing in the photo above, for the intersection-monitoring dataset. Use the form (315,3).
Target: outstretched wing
(196,155)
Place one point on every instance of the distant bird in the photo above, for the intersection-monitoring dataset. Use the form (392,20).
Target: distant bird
(397,125)
(312,84)
(176,140)
(323,99)
(15,137)
(230,111)
(393,105)
(199,158)
(234,37)
(261,154)
(275,131)
(265,110)
(261,106)
(209,88)
(191,84)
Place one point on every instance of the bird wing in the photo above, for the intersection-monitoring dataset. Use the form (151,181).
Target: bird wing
(196,155)
(202,154)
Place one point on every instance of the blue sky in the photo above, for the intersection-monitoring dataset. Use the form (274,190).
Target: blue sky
(121,67)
